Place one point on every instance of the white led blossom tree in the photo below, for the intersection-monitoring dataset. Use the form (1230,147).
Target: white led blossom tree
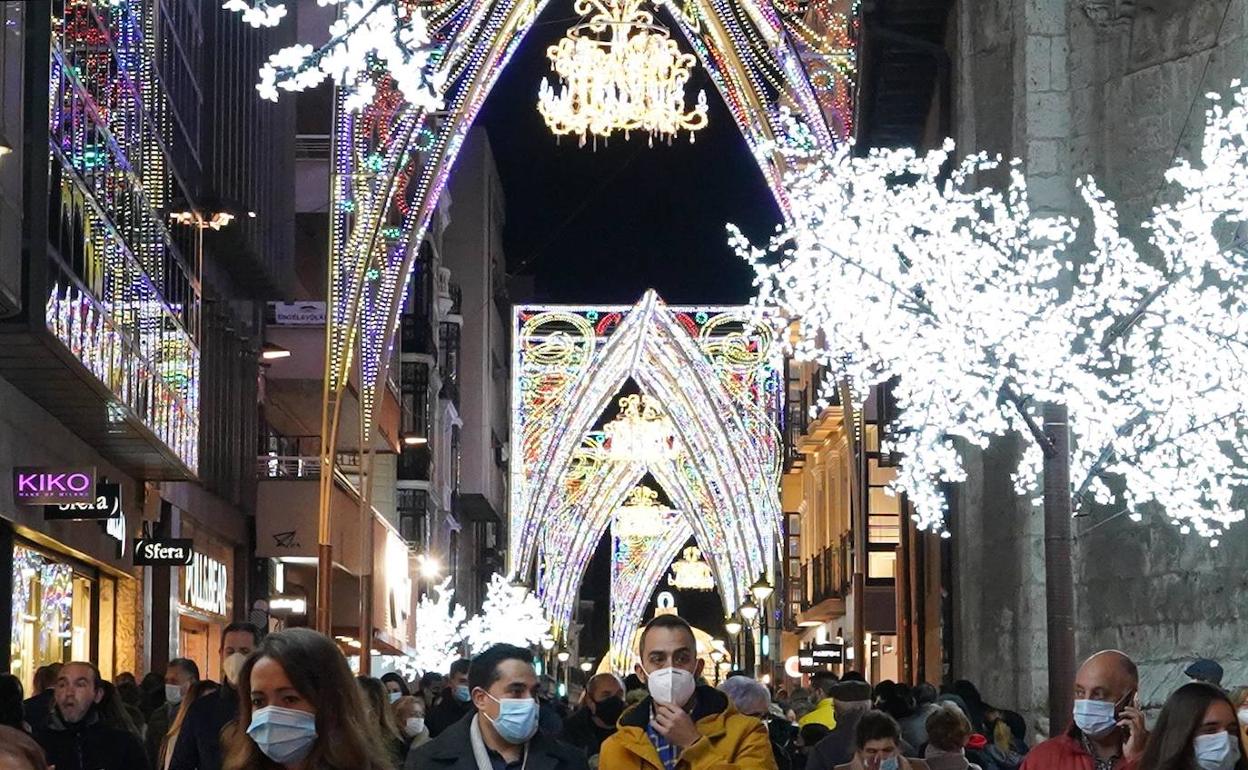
(439,630)
(510,614)
(368,34)
(983,310)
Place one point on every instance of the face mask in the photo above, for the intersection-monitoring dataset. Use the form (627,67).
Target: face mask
(892,763)
(173,694)
(414,726)
(1243,717)
(1216,752)
(462,693)
(283,735)
(232,665)
(394,697)
(1095,717)
(671,685)
(517,719)
(609,710)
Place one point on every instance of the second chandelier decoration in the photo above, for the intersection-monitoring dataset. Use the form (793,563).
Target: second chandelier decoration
(619,71)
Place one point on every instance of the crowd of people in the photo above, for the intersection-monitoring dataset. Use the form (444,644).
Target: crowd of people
(288,700)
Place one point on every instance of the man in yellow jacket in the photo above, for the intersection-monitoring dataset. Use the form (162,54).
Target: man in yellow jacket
(682,726)
(825,712)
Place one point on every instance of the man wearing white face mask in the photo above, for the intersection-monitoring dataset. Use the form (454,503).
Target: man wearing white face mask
(199,742)
(682,726)
(1108,731)
(501,734)
(180,674)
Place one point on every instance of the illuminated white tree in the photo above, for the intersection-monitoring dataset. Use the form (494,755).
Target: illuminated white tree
(510,614)
(982,311)
(439,630)
(367,34)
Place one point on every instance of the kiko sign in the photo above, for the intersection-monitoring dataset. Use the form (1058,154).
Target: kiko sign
(53,486)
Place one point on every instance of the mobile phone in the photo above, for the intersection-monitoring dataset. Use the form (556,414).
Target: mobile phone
(1127,700)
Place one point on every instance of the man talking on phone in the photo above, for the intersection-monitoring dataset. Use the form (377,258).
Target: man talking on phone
(1108,731)
(681,725)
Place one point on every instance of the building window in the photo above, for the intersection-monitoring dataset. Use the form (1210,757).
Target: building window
(413,509)
(51,613)
(414,387)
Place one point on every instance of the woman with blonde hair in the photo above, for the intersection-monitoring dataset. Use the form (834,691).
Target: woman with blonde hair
(193,693)
(300,709)
(383,717)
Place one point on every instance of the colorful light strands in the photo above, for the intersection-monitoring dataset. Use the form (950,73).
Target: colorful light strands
(640,433)
(619,71)
(638,562)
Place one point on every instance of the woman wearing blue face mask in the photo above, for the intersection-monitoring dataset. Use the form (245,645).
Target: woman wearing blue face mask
(1197,730)
(300,709)
(878,745)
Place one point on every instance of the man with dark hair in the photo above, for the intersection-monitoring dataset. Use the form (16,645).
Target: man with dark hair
(851,701)
(824,712)
(600,709)
(1108,731)
(682,726)
(456,700)
(877,745)
(180,674)
(502,734)
(37,708)
(199,742)
(75,736)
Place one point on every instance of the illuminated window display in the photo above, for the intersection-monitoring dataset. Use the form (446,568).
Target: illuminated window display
(51,620)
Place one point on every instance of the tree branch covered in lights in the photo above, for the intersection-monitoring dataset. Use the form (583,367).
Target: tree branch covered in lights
(368,34)
(510,614)
(983,310)
(439,629)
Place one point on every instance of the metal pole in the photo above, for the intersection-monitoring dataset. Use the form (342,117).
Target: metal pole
(1059,573)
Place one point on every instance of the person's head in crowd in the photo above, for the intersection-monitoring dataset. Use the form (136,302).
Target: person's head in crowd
(431,686)
(396,686)
(747,696)
(633,682)
(113,711)
(409,712)
(877,741)
(925,693)
(853,676)
(808,735)
(898,701)
(129,693)
(1239,696)
(1197,729)
(457,681)
(376,697)
(1105,684)
(1205,670)
(180,674)
(669,664)
(851,696)
(11,697)
(238,640)
(967,691)
(948,730)
(125,678)
(821,684)
(78,689)
(737,672)
(299,707)
(604,698)
(18,751)
(504,689)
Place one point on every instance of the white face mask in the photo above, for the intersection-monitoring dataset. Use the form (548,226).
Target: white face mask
(414,726)
(173,693)
(1095,717)
(1243,717)
(232,665)
(670,685)
(1218,751)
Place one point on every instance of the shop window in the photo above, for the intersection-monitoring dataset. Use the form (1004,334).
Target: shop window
(51,620)
(881,565)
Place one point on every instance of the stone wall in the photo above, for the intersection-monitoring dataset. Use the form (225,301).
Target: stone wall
(1101,87)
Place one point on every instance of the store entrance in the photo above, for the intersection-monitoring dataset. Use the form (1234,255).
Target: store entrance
(200,641)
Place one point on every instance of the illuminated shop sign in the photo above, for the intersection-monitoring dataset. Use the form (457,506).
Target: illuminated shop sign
(54,486)
(205,585)
(163,552)
(106,504)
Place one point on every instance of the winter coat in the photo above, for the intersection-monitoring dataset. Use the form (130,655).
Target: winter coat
(452,750)
(730,740)
(89,745)
(199,741)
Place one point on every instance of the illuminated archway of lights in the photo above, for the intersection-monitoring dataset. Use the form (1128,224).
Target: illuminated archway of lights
(714,371)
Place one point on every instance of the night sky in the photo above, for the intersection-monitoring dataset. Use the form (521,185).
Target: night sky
(604,225)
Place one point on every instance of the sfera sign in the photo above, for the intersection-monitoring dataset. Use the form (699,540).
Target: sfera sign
(163,552)
(106,504)
(53,486)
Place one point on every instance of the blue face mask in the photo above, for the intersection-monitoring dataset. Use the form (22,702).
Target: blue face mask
(517,719)
(462,693)
(283,735)
(394,696)
(892,763)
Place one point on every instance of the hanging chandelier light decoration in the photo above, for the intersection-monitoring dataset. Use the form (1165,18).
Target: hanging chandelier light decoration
(620,71)
(641,432)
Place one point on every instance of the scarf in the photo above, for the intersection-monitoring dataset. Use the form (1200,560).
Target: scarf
(480,753)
